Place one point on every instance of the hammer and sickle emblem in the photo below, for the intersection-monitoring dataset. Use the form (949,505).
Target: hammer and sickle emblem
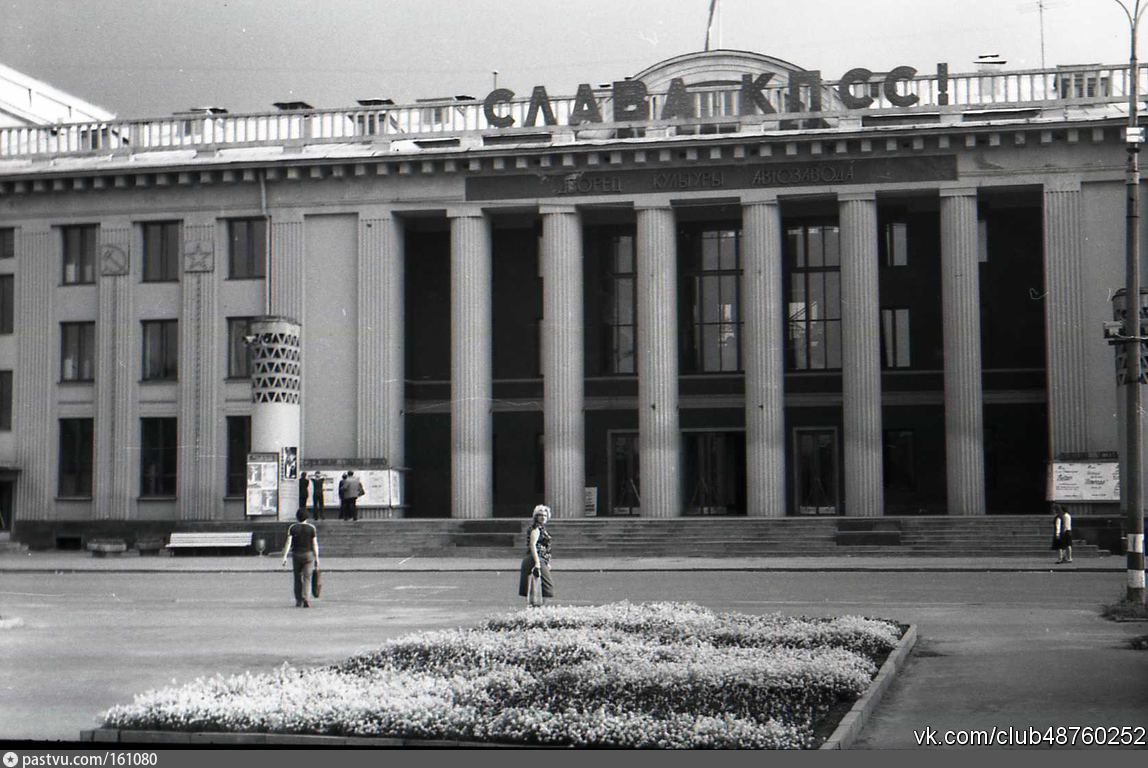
(113,260)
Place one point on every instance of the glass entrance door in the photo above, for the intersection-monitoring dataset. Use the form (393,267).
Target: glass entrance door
(815,451)
(715,472)
(625,479)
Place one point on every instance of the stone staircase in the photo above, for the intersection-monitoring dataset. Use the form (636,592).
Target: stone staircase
(701,537)
(7,545)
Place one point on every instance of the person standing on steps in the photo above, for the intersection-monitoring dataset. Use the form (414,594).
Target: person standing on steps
(353,490)
(303,547)
(304,484)
(317,494)
(1062,533)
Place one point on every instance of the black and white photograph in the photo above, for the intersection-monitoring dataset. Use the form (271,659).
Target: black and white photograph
(657,374)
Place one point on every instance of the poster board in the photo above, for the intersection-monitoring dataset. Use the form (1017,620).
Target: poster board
(383,485)
(1085,481)
(262,485)
(590,501)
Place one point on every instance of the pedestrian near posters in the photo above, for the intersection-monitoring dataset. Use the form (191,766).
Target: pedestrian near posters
(350,490)
(317,480)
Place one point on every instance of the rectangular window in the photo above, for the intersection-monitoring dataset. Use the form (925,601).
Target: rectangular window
(7,303)
(158,457)
(238,350)
(900,474)
(160,350)
(76,458)
(161,251)
(896,244)
(895,338)
(79,254)
(7,243)
(813,313)
(712,336)
(77,351)
(5,401)
(238,446)
(620,306)
(247,248)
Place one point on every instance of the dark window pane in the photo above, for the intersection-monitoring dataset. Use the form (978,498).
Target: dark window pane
(5,400)
(7,303)
(75,458)
(238,352)
(238,446)
(77,351)
(158,454)
(247,248)
(160,349)
(7,243)
(79,254)
(161,251)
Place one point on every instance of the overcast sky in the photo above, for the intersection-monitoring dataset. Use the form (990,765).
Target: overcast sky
(145,58)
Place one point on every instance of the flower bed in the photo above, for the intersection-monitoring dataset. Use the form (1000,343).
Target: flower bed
(653,675)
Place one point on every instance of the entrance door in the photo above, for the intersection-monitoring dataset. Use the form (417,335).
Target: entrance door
(6,510)
(715,472)
(815,451)
(625,479)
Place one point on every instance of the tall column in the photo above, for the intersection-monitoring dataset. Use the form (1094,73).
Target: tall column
(117,378)
(861,356)
(382,348)
(288,244)
(38,363)
(200,466)
(764,353)
(471,365)
(562,360)
(1067,365)
(960,296)
(659,439)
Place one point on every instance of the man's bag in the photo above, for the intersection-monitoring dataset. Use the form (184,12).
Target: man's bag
(316,583)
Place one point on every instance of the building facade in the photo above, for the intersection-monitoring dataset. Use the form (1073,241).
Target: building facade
(725,285)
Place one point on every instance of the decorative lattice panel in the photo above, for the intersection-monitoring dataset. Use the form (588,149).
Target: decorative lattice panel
(275,359)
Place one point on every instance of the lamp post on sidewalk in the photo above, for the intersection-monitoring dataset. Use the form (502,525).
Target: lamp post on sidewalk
(1132,334)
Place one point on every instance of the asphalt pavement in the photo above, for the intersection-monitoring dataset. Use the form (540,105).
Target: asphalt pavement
(1004,642)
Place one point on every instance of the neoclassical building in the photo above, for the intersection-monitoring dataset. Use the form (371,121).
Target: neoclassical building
(723,285)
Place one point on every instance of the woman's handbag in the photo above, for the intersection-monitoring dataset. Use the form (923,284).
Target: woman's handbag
(316,583)
(534,590)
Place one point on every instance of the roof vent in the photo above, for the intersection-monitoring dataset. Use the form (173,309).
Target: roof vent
(287,106)
(375,102)
(990,62)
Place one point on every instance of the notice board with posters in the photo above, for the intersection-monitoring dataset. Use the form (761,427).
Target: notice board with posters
(263,485)
(1096,480)
(383,485)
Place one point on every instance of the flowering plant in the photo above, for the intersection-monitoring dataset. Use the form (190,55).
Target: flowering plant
(624,675)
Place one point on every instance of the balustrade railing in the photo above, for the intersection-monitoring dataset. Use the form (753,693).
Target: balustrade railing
(715,109)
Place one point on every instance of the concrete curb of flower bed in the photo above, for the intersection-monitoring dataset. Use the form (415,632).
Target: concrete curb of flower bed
(850,726)
(841,738)
(9,623)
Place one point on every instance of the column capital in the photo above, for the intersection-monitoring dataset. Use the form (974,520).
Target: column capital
(760,198)
(957,192)
(1062,184)
(465,212)
(866,196)
(653,203)
(547,209)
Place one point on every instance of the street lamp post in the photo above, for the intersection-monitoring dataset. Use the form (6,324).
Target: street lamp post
(1133,484)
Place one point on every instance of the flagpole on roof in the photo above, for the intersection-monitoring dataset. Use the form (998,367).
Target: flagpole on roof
(710,22)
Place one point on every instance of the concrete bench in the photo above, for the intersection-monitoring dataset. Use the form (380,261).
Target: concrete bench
(203,540)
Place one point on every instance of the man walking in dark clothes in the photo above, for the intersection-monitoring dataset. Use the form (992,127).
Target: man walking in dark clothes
(304,484)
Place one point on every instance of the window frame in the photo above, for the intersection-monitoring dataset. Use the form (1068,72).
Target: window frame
(7,304)
(7,243)
(232,349)
(799,264)
(85,350)
(85,235)
(696,279)
(895,251)
(234,463)
(7,395)
(83,471)
(167,269)
(164,483)
(168,350)
(254,241)
(612,277)
(900,316)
